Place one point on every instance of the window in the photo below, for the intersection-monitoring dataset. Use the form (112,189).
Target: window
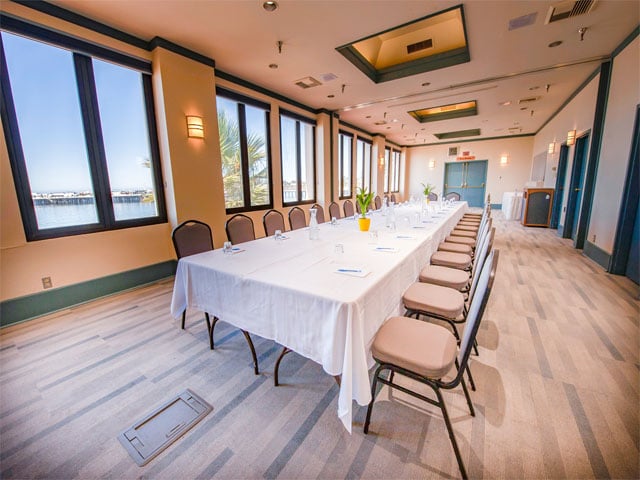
(363,164)
(345,164)
(81,136)
(243,124)
(297,153)
(387,166)
(395,171)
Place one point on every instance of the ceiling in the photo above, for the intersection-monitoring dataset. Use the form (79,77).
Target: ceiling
(506,65)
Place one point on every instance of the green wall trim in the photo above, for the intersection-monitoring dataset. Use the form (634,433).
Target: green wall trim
(24,308)
(596,254)
(468,140)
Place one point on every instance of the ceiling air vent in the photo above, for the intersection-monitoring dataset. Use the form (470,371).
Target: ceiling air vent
(569,9)
(528,100)
(307,82)
(423,45)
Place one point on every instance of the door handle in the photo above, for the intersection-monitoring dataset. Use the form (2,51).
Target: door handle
(577,189)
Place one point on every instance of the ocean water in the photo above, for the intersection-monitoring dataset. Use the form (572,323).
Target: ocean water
(54,216)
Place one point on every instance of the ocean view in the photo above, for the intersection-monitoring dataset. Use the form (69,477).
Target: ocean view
(54,216)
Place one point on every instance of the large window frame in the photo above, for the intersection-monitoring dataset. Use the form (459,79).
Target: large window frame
(83,53)
(300,123)
(387,169)
(243,101)
(363,163)
(394,180)
(345,159)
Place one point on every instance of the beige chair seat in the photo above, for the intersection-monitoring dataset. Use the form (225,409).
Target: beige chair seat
(472,215)
(463,233)
(444,276)
(424,348)
(467,228)
(460,261)
(455,247)
(472,223)
(464,240)
(435,299)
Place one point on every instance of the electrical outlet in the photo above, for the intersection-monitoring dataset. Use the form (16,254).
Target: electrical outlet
(593,239)
(46,282)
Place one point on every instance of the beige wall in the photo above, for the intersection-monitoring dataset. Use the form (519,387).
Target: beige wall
(500,178)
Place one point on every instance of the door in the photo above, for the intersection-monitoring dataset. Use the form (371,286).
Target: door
(575,188)
(468,179)
(561,173)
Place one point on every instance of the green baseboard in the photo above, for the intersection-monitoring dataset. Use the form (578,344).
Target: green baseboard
(24,308)
(596,254)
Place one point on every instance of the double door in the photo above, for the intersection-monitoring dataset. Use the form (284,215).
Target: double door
(469,179)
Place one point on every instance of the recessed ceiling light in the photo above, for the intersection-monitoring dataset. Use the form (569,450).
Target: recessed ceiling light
(331,96)
(426,84)
(270,6)
(555,44)
(523,108)
(368,116)
(505,104)
(534,88)
(394,120)
(273,66)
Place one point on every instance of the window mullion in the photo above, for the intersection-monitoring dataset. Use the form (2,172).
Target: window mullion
(298,162)
(244,155)
(93,139)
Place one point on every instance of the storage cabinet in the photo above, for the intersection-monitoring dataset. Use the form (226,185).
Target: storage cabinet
(537,207)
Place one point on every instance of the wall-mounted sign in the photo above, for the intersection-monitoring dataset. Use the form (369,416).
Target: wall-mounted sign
(466,156)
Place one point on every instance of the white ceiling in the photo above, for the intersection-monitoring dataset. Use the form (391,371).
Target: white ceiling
(242,38)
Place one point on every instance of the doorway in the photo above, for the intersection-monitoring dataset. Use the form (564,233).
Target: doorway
(575,188)
(469,179)
(558,196)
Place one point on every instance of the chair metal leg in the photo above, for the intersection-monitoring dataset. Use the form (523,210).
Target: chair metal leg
(466,394)
(475,347)
(184,316)
(253,351)
(471,382)
(211,327)
(452,436)
(285,350)
(374,384)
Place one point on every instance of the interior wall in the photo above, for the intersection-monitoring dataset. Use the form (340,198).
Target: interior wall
(500,178)
(624,96)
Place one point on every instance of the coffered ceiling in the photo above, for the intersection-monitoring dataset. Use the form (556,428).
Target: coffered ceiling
(517,79)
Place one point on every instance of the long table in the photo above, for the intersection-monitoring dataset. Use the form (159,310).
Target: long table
(293,292)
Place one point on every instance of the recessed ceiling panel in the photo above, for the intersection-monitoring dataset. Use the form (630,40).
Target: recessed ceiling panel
(430,43)
(474,132)
(445,112)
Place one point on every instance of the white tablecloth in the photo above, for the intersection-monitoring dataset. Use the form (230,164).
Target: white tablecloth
(512,205)
(290,291)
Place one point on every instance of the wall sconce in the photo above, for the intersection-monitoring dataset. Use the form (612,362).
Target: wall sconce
(381,161)
(571,137)
(432,164)
(195,127)
(504,160)
(552,147)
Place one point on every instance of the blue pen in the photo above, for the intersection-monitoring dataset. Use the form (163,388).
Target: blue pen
(348,270)
(384,248)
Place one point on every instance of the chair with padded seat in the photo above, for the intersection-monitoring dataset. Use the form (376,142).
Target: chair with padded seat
(426,353)
(433,197)
(392,198)
(377,201)
(239,229)
(452,196)
(319,212)
(297,219)
(334,210)
(273,220)
(192,237)
(348,209)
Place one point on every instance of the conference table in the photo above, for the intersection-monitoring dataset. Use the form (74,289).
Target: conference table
(324,299)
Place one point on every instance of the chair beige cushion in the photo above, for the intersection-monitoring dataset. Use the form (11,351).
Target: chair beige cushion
(460,261)
(464,240)
(467,228)
(463,233)
(434,299)
(472,215)
(444,276)
(455,247)
(424,348)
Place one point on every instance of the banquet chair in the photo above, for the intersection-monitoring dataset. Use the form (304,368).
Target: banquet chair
(319,212)
(433,196)
(348,209)
(296,218)
(189,238)
(452,196)
(334,210)
(239,229)
(377,202)
(426,353)
(393,198)
(272,221)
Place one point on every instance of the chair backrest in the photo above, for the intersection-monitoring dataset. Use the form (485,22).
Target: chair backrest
(334,210)
(191,237)
(377,202)
(476,311)
(481,255)
(319,213)
(348,208)
(393,197)
(272,221)
(296,218)
(452,196)
(240,229)
(358,209)
(433,196)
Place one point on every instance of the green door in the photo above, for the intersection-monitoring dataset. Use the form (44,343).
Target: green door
(468,179)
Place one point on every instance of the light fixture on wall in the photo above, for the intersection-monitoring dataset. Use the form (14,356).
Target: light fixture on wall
(432,164)
(195,127)
(571,137)
(504,159)
(381,161)
(552,147)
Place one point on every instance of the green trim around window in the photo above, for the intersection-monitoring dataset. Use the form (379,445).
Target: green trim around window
(20,309)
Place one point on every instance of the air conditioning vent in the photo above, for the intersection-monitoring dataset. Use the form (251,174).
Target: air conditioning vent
(569,9)
(307,82)
(423,45)
(528,100)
